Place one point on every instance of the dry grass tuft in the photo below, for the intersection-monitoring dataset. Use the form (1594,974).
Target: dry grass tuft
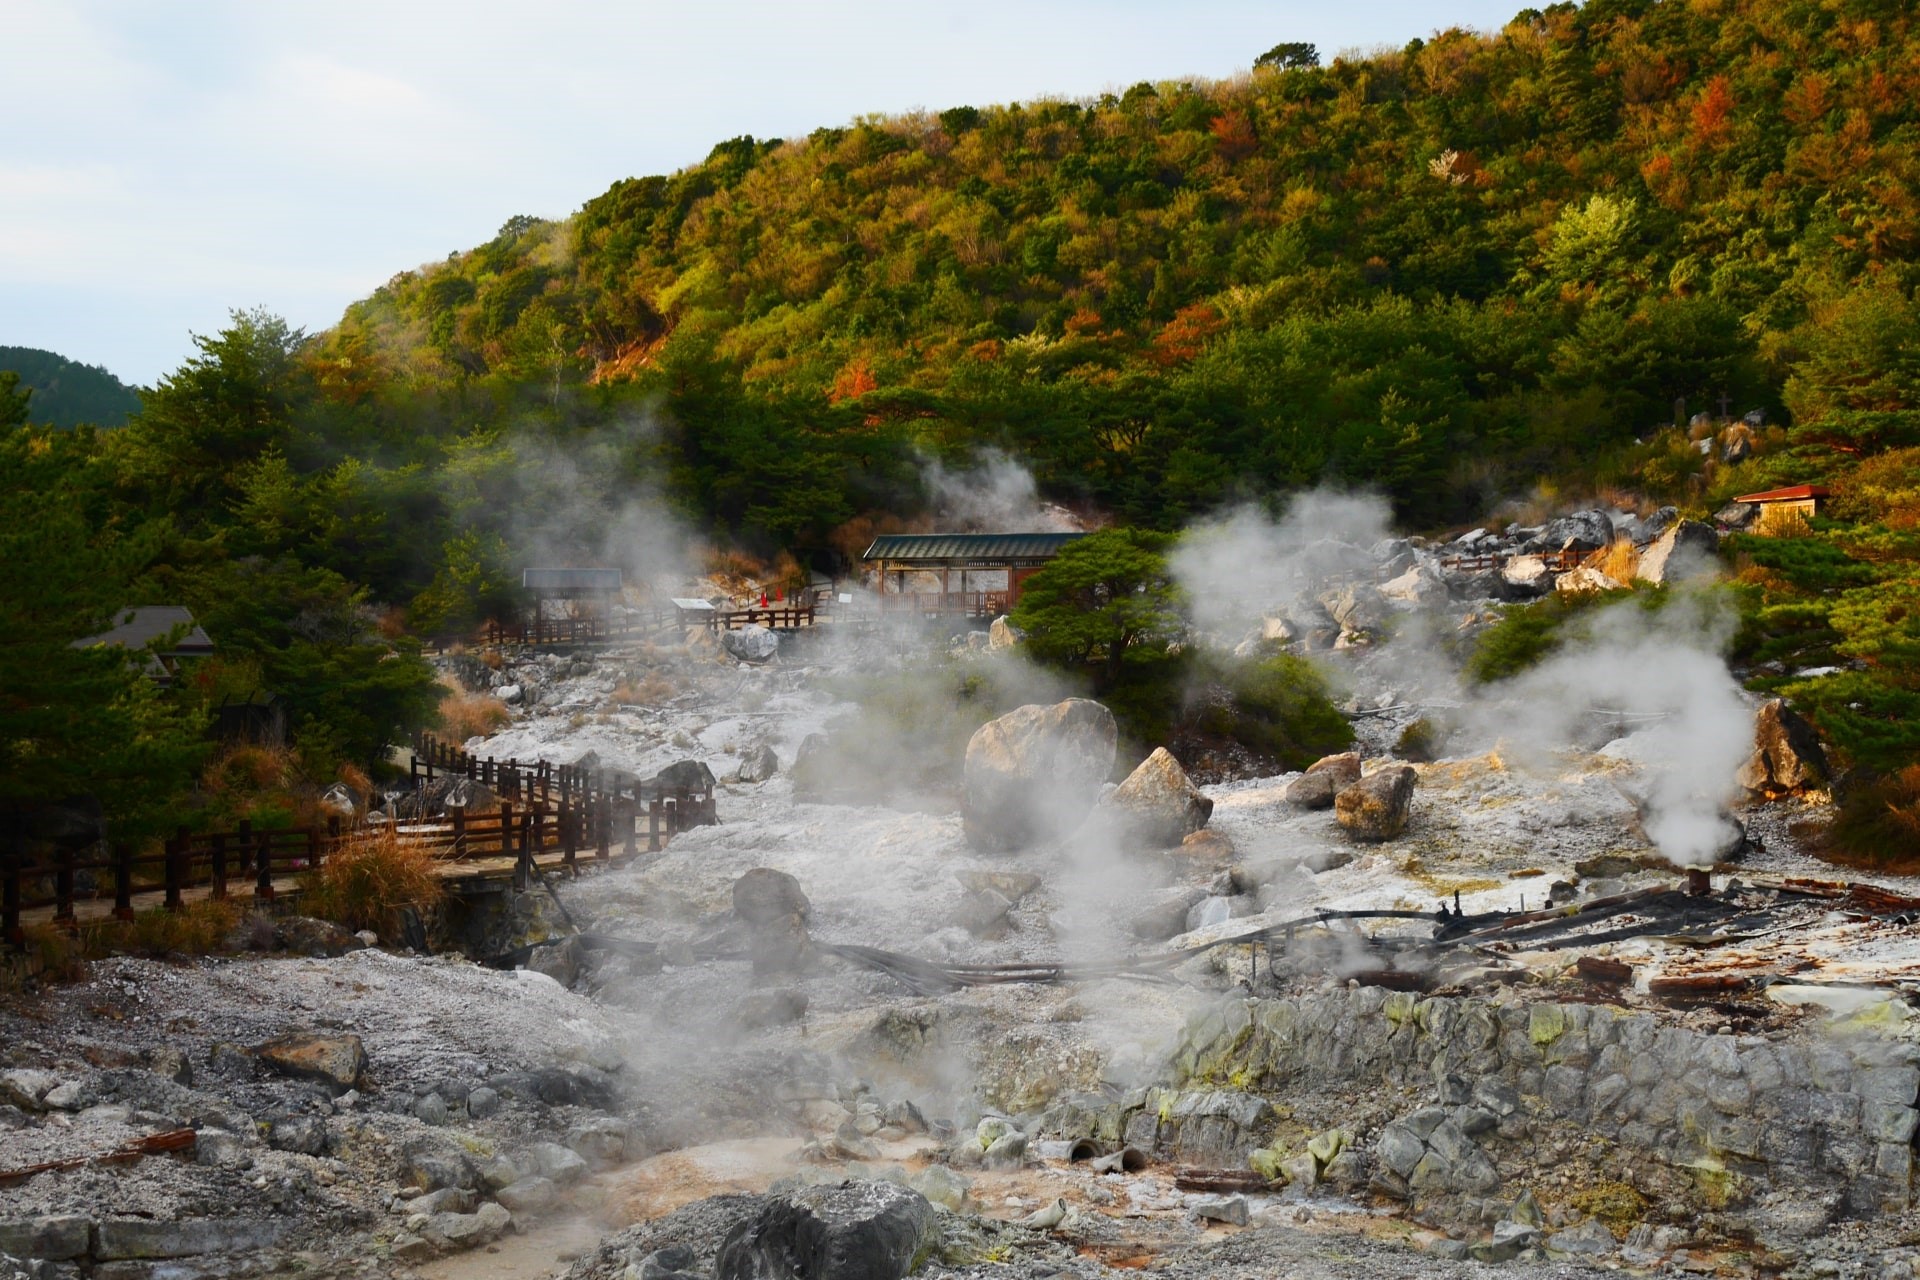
(369,881)
(493,659)
(471,715)
(1618,560)
(646,691)
(248,768)
(1877,826)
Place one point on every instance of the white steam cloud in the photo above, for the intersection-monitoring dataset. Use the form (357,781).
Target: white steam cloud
(1244,566)
(993,494)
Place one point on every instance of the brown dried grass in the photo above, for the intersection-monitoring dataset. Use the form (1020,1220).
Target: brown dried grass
(1618,560)
(466,715)
(370,880)
(648,690)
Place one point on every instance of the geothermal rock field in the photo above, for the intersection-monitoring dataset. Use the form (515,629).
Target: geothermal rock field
(1563,995)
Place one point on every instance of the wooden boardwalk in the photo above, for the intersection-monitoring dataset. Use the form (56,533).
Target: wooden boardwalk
(548,818)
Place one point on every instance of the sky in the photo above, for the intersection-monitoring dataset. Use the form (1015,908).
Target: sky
(166,164)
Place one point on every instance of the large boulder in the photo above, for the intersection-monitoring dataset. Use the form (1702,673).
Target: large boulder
(759,764)
(764,895)
(1737,515)
(1527,577)
(1324,779)
(1035,773)
(1003,634)
(1358,607)
(852,1231)
(1787,755)
(750,644)
(1584,580)
(1376,807)
(1581,531)
(337,1061)
(1157,805)
(684,775)
(1685,550)
(1419,587)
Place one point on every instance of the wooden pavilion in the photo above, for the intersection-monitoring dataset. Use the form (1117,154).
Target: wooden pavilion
(978,575)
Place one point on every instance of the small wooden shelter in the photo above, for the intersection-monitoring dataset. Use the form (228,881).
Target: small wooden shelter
(146,625)
(576,592)
(975,574)
(1788,508)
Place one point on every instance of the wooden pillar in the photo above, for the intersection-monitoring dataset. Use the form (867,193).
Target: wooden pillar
(602,829)
(569,841)
(263,867)
(220,866)
(506,828)
(10,873)
(173,868)
(459,833)
(63,892)
(122,881)
(626,826)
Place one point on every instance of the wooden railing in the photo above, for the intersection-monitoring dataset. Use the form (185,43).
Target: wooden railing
(544,810)
(970,604)
(780,617)
(1555,561)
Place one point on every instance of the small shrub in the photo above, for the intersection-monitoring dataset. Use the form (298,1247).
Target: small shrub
(648,690)
(368,882)
(199,928)
(58,955)
(249,768)
(1878,824)
(1418,742)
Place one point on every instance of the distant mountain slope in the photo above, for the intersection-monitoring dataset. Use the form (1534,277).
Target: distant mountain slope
(67,393)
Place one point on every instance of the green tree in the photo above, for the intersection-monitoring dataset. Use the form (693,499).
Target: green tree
(13,400)
(77,721)
(1288,55)
(1104,595)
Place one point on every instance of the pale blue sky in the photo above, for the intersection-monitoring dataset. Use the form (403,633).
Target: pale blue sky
(164,163)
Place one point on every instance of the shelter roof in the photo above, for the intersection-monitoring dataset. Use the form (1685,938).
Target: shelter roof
(570,579)
(1792,493)
(953,548)
(139,627)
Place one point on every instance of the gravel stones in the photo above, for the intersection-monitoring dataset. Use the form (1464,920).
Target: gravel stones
(1376,807)
(1033,774)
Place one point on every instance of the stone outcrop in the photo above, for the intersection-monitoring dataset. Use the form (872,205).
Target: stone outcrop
(1527,576)
(753,644)
(1798,1117)
(337,1061)
(773,906)
(1002,634)
(1419,586)
(759,764)
(1581,531)
(1686,550)
(1158,805)
(1585,579)
(853,1231)
(1787,755)
(1376,807)
(1035,773)
(1324,779)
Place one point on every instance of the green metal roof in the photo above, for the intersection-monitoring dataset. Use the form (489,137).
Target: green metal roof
(952,548)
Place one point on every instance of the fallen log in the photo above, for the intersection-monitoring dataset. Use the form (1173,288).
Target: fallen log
(1193,1178)
(1604,972)
(153,1145)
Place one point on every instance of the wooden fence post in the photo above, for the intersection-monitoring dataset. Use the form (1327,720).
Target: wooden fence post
(626,812)
(506,828)
(569,838)
(173,866)
(123,881)
(655,810)
(602,829)
(219,859)
(63,892)
(10,873)
(459,833)
(263,865)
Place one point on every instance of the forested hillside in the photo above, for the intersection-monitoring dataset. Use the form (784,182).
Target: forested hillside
(67,393)
(1485,269)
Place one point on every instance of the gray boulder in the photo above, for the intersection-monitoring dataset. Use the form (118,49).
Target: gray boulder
(1581,531)
(753,644)
(1737,516)
(1686,550)
(337,1061)
(1526,577)
(852,1231)
(1376,807)
(1035,773)
(684,775)
(763,896)
(1787,755)
(1419,587)
(1358,607)
(1324,779)
(1158,805)
(759,764)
